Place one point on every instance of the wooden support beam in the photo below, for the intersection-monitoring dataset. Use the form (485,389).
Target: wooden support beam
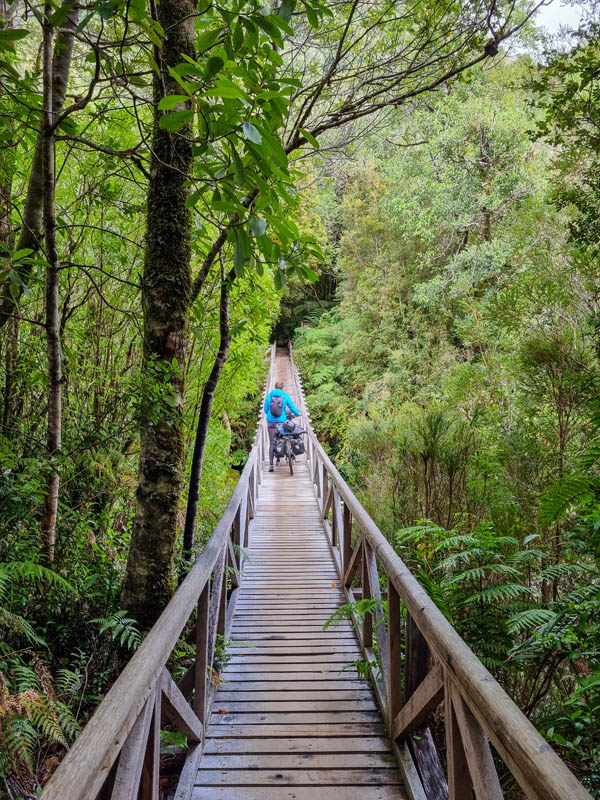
(176,709)
(129,771)
(346,548)
(149,788)
(336,516)
(250,503)
(367,623)
(428,695)
(418,662)
(324,487)
(477,750)
(215,602)
(394,688)
(370,563)
(460,785)
(222,618)
(328,501)
(233,570)
(202,662)
(355,562)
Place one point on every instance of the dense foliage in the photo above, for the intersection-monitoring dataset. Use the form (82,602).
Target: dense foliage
(165,212)
(456,381)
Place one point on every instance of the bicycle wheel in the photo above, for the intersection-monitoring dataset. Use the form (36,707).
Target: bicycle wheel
(288,453)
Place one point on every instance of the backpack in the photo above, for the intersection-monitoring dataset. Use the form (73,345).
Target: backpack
(277,405)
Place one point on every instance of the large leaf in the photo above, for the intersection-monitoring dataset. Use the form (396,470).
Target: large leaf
(258,226)
(175,121)
(171,101)
(251,132)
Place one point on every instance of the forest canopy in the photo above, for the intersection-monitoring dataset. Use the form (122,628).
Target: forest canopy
(181,184)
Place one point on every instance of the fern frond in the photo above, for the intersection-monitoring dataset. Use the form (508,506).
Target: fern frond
(15,624)
(531,618)
(358,609)
(500,593)
(556,571)
(36,574)
(121,628)
(67,681)
(563,494)
(460,540)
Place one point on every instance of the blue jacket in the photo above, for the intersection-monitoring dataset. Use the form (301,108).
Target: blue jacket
(287,403)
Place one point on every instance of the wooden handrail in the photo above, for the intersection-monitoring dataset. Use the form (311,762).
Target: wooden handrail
(476,707)
(118,750)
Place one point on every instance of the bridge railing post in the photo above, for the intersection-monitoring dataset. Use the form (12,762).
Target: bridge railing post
(201,665)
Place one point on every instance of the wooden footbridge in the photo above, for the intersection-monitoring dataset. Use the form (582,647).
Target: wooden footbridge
(288,716)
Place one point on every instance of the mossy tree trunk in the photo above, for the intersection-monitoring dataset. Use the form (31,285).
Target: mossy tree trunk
(166,298)
(54,435)
(31,229)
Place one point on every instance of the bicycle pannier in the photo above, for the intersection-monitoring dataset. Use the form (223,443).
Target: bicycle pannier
(297,445)
(278,448)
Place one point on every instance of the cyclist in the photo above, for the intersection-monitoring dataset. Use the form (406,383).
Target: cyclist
(276,404)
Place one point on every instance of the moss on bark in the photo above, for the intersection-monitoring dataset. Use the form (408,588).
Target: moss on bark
(166,297)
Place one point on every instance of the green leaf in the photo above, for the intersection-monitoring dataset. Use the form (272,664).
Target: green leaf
(171,101)
(135,80)
(13,35)
(250,132)
(227,92)
(310,138)
(286,9)
(258,226)
(214,65)
(175,121)
(239,254)
(24,251)
(238,167)
(206,40)
(238,37)
(60,15)
(310,274)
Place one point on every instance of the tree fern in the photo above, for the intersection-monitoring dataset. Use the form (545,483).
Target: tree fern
(565,493)
(33,573)
(531,618)
(500,593)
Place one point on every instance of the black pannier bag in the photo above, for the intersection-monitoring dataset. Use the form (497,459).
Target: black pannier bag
(278,449)
(297,445)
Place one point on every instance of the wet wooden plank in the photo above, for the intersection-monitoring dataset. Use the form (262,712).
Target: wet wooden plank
(294,777)
(281,746)
(300,793)
(301,706)
(290,717)
(285,761)
(292,694)
(293,711)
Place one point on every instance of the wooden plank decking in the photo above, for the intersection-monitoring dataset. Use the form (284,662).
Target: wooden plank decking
(288,720)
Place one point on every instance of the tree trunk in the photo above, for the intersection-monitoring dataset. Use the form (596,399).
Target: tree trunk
(208,397)
(31,228)
(166,297)
(52,307)
(12,345)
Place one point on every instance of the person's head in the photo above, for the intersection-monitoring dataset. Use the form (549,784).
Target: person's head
(279,385)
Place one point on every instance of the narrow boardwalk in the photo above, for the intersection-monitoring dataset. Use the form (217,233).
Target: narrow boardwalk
(288,720)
